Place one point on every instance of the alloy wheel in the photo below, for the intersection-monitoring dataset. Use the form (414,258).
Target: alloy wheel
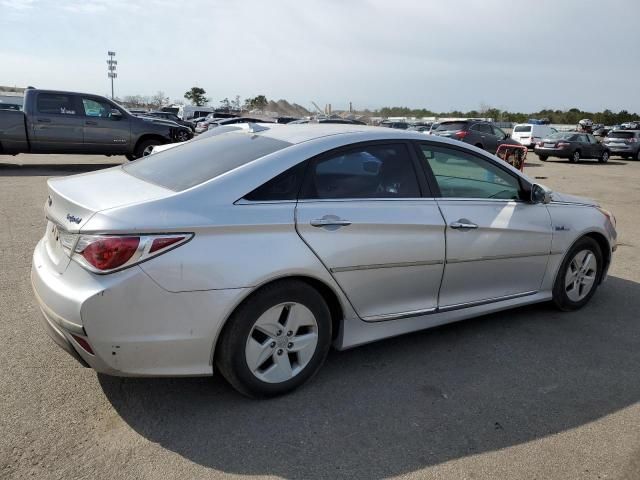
(581,275)
(182,136)
(281,342)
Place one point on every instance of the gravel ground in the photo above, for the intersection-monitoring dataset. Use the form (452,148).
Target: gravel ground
(526,394)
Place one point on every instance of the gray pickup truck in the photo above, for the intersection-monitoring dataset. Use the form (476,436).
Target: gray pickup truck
(68,122)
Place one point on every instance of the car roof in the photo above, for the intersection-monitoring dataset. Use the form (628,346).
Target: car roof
(304,132)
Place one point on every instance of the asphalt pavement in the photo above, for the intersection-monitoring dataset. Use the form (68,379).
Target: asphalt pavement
(531,393)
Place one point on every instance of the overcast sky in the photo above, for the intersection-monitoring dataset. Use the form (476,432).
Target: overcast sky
(442,55)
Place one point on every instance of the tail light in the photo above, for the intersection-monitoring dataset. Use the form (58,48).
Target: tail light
(110,253)
(461,134)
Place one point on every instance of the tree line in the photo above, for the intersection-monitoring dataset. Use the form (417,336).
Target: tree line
(571,116)
(196,96)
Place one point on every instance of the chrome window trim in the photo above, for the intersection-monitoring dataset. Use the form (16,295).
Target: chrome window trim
(376,199)
(244,201)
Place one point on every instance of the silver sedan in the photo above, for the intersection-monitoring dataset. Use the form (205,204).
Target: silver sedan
(254,251)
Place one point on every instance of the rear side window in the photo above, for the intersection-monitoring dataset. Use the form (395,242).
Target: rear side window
(522,128)
(373,171)
(54,103)
(196,162)
(282,187)
(482,128)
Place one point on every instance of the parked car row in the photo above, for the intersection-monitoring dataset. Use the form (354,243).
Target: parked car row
(171,117)
(576,146)
(212,122)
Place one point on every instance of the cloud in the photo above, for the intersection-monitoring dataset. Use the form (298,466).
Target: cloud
(429,54)
(17,4)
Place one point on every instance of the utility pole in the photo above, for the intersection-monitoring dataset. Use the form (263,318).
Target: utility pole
(111,66)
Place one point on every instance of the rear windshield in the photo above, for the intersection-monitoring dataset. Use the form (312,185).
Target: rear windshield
(620,135)
(196,162)
(451,126)
(522,128)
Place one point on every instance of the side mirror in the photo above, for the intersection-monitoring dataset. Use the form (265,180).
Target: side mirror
(539,194)
(115,114)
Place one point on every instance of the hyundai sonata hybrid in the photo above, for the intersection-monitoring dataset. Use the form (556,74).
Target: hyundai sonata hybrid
(254,251)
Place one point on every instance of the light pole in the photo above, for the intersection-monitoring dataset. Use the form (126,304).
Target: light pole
(111,66)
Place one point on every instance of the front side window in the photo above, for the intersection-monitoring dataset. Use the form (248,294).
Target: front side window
(462,175)
(592,139)
(94,108)
(498,132)
(373,171)
(54,103)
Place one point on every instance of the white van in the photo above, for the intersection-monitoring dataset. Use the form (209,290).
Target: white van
(528,134)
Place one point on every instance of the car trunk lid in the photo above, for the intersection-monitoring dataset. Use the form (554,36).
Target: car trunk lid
(73,200)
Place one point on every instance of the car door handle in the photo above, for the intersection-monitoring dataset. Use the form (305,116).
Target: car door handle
(44,120)
(463,224)
(330,221)
(90,122)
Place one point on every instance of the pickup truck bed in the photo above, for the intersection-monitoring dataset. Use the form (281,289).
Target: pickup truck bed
(13,131)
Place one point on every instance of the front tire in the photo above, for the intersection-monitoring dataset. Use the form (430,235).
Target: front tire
(575,157)
(579,275)
(637,156)
(276,340)
(543,157)
(144,148)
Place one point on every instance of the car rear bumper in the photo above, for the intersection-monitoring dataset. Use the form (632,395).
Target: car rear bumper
(133,326)
(553,152)
(56,331)
(622,149)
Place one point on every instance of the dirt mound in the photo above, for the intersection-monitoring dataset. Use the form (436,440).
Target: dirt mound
(284,108)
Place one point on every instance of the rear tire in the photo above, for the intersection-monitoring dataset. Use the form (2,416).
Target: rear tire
(183,136)
(604,158)
(579,275)
(276,340)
